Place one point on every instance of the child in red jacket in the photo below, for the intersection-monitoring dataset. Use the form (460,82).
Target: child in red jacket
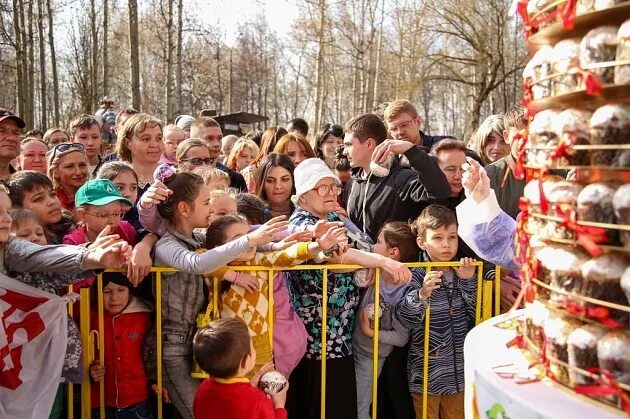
(127,320)
(225,351)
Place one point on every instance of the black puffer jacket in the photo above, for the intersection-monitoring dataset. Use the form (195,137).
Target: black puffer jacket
(396,197)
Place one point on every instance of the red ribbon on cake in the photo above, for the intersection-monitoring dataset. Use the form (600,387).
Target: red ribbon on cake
(592,83)
(602,314)
(568,14)
(605,385)
(519,167)
(588,237)
(521,8)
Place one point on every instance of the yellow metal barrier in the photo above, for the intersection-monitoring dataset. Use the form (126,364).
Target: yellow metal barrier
(483,310)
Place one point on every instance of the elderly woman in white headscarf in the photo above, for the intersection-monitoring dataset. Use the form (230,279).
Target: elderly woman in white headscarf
(316,191)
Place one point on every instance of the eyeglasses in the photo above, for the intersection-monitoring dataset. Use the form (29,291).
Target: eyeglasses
(325,190)
(198,161)
(400,127)
(113,216)
(64,147)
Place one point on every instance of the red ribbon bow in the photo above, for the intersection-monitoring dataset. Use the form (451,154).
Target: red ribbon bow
(605,385)
(588,237)
(519,167)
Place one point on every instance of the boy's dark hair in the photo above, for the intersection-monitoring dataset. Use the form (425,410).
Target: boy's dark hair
(26,181)
(448,144)
(341,163)
(252,207)
(401,235)
(366,126)
(215,235)
(220,347)
(515,117)
(83,121)
(185,187)
(299,125)
(433,217)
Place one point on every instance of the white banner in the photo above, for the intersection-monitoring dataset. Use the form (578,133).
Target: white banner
(33,338)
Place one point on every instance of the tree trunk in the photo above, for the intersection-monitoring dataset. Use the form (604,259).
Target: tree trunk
(30,92)
(230,84)
(19,56)
(94,56)
(105,48)
(134,54)
(169,61)
(178,60)
(319,88)
(42,65)
(53,62)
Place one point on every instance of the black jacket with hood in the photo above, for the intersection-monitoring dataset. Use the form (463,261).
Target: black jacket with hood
(399,196)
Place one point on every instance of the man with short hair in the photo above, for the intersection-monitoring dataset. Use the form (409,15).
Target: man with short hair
(298,126)
(404,123)
(395,197)
(86,130)
(210,132)
(10,126)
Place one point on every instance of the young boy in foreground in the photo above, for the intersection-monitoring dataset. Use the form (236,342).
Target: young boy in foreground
(224,350)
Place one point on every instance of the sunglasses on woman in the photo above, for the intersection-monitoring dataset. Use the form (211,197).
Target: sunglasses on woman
(198,161)
(64,147)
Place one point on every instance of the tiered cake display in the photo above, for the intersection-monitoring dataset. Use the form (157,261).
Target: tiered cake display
(574,231)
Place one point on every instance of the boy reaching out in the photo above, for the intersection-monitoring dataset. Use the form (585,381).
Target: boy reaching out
(225,351)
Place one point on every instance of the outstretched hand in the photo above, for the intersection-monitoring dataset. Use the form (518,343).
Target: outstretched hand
(266,232)
(475,180)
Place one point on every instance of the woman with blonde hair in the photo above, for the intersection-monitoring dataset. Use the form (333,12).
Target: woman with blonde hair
(242,154)
(140,143)
(192,154)
(296,147)
(488,140)
(68,171)
(33,155)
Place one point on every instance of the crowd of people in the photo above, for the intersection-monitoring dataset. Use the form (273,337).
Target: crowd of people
(377,192)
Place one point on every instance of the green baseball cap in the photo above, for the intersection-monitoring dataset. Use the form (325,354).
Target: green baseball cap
(99,192)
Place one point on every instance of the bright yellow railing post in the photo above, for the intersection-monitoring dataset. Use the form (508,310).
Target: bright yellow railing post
(377,321)
(101,343)
(425,361)
(88,348)
(497,291)
(479,295)
(158,328)
(271,306)
(324,340)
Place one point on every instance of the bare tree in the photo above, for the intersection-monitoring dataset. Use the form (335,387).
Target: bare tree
(53,62)
(178,59)
(43,121)
(94,57)
(170,46)
(105,48)
(134,54)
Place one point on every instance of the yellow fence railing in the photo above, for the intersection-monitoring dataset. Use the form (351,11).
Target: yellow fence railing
(486,306)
